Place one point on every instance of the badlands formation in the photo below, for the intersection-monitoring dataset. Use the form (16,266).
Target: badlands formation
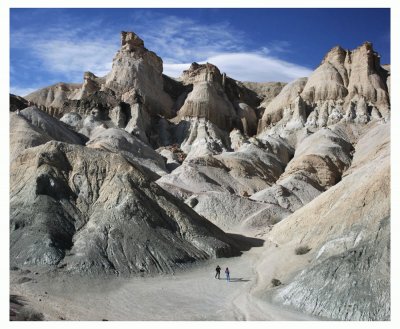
(139,175)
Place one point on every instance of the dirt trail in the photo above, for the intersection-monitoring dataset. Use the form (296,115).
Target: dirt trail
(193,294)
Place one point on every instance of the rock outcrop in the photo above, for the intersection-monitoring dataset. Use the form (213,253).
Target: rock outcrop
(274,110)
(138,71)
(55,95)
(215,97)
(207,99)
(318,163)
(133,88)
(32,127)
(345,80)
(347,230)
(93,211)
(248,170)
(17,103)
(130,147)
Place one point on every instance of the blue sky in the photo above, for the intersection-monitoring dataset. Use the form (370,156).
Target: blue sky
(52,45)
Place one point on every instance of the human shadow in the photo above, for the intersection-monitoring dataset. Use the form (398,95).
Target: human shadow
(245,243)
(238,280)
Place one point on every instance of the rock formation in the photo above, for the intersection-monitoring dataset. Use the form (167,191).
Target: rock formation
(347,230)
(55,95)
(143,172)
(32,127)
(17,103)
(138,71)
(95,212)
(130,147)
(274,110)
(343,80)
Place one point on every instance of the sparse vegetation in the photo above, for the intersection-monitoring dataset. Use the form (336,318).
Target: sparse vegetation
(275,282)
(302,250)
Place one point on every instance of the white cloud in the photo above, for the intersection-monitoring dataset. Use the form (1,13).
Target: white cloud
(68,52)
(175,70)
(72,58)
(243,66)
(258,68)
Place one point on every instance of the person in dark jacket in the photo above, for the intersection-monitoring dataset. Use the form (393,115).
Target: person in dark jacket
(217,272)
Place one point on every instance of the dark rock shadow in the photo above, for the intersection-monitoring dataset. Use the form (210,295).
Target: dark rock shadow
(20,311)
(245,243)
(17,300)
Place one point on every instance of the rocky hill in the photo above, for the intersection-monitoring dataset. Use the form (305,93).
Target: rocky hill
(137,172)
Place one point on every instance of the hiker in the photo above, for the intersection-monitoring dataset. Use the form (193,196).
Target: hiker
(218,272)
(228,278)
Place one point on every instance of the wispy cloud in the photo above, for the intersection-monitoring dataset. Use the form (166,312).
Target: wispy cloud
(66,52)
(72,58)
(244,66)
(183,41)
(180,40)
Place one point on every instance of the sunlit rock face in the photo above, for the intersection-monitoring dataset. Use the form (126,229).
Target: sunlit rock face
(347,85)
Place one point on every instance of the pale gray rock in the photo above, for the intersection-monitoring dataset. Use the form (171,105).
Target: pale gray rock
(91,84)
(199,137)
(92,123)
(72,119)
(237,139)
(318,163)
(139,122)
(274,111)
(234,213)
(299,115)
(118,117)
(347,230)
(247,117)
(361,111)
(344,77)
(130,147)
(208,101)
(266,91)
(136,70)
(253,167)
(50,126)
(54,95)
(24,135)
(172,160)
(349,285)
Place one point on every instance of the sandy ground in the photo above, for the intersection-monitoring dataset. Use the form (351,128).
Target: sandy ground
(193,294)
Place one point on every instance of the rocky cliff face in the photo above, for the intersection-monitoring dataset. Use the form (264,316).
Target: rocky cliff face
(142,172)
(348,85)
(137,72)
(347,230)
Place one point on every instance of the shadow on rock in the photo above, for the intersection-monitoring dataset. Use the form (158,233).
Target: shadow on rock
(245,243)
(19,311)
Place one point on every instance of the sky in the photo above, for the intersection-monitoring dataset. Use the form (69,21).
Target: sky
(52,45)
